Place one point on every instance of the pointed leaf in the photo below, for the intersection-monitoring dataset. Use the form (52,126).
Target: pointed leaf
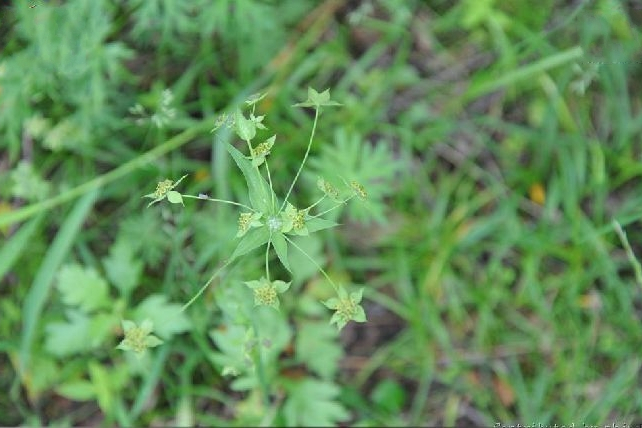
(251,240)
(260,193)
(78,390)
(312,402)
(122,267)
(163,318)
(245,128)
(82,287)
(281,248)
(316,224)
(174,197)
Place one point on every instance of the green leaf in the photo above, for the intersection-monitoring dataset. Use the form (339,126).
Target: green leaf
(77,390)
(281,248)
(261,195)
(375,167)
(122,266)
(313,403)
(12,248)
(231,343)
(302,267)
(167,318)
(174,197)
(48,370)
(316,99)
(27,183)
(79,334)
(254,238)
(68,338)
(102,382)
(388,396)
(318,223)
(82,287)
(317,347)
(245,128)
(58,250)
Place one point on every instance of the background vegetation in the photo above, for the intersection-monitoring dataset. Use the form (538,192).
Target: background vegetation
(500,146)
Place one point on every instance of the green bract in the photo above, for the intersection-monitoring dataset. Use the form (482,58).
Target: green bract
(294,220)
(262,150)
(266,292)
(347,307)
(316,99)
(246,221)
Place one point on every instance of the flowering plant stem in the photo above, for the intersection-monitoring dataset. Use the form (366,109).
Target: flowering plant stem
(204,287)
(102,180)
(307,152)
(225,201)
(315,263)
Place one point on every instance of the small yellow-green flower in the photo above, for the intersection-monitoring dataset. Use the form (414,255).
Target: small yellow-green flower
(246,221)
(165,189)
(328,189)
(262,150)
(267,292)
(138,339)
(294,220)
(358,189)
(347,308)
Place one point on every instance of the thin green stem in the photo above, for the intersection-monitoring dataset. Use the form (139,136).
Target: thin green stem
(146,158)
(314,262)
(202,289)
(267,265)
(637,269)
(307,152)
(267,168)
(316,203)
(249,146)
(260,366)
(333,208)
(225,201)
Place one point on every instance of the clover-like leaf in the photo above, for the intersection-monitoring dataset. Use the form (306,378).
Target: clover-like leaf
(167,317)
(313,402)
(82,287)
(122,266)
(78,333)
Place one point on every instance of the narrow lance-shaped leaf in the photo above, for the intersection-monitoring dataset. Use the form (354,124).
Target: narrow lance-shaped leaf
(316,224)
(254,238)
(245,128)
(281,248)
(260,192)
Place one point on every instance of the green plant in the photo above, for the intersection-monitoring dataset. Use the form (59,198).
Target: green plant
(267,220)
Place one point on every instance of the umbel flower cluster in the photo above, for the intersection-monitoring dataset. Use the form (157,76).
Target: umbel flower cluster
(268,220)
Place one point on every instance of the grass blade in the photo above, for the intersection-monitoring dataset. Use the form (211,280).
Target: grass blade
(527,72)
(13,248)
(37,295)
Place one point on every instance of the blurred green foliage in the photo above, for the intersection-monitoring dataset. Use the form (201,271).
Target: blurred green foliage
(498,142)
